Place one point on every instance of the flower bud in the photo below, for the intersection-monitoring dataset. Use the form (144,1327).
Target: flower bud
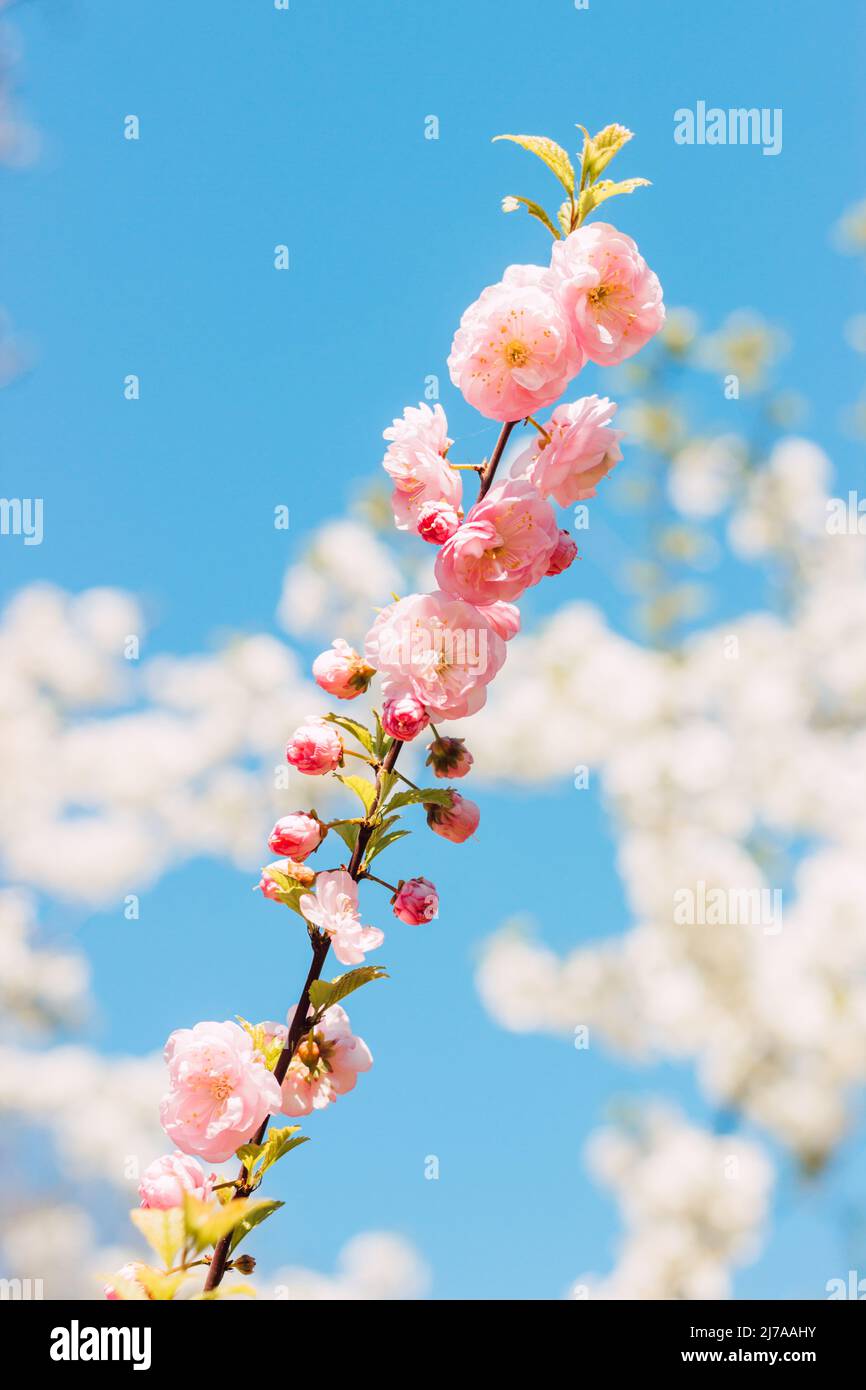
(244,1264)
(296,835)
(437,522)
(449,757)
(455,822)
(564,554)
(404,717)
(342,671)
(416,901)
(315,748)
(308,1052)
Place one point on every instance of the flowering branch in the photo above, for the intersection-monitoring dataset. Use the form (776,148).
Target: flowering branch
(515,352)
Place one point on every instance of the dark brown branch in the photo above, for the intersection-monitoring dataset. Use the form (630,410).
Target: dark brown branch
(492,463)
(320,941)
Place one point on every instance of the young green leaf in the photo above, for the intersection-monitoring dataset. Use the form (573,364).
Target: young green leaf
(362,788)
(412,796)
(359,731)
(382,842)
(602,148)
(163,1230)
(606,188)
(206,1224)
(554,156)
(347,833)
(324,993)
(256,1214)
(513,201)
(160,1287)
(258,1158)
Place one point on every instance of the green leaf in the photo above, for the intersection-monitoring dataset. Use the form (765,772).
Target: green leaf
(256,1214)
(163,1230)
(606,188)
(206,1224)
(359,731)
(566,216)
(381,741)
(412,796)
(324,993)
(363,788)
(383,842)
(600,150)
(512,202)
(160,1287)
(258,1158)
(348,834)
(554,156)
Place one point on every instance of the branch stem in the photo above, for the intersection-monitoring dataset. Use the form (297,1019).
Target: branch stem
(320,942)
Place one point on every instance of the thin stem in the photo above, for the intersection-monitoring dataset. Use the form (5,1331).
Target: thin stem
(389,886)
(492,463)
(321,944)
(320,941)
(406,780)
(540,428)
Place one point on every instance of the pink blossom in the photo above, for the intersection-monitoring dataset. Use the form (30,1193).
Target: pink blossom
(514,352)
(341,671)
(296,835)
(325,1065)
(415,461)
(334,909)
(455,822)
(504,618)
(502,548)
(613,301)
(449,757)
(564,554)
(416,901)
(164,1182)
(219,1092)
(437,522)
(404,717)
(438,649)
(582,450)
(268,885)
(315,747)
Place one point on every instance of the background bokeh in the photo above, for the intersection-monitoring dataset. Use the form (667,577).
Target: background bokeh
(153,777)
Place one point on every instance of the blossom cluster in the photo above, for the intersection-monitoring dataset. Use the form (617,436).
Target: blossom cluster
(434,655)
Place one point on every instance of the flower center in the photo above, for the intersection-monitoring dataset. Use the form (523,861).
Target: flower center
(221,1087)
(597,296)
(516,353)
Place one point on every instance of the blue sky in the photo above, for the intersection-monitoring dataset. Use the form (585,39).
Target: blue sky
(155,257)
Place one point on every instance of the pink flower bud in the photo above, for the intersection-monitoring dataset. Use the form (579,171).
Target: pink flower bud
(416,901)
(449,757)
(455,822)
(564,554)
(164,1182)
(404,717)
(296,835)
(315,748)
(342,671)
(437,522)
